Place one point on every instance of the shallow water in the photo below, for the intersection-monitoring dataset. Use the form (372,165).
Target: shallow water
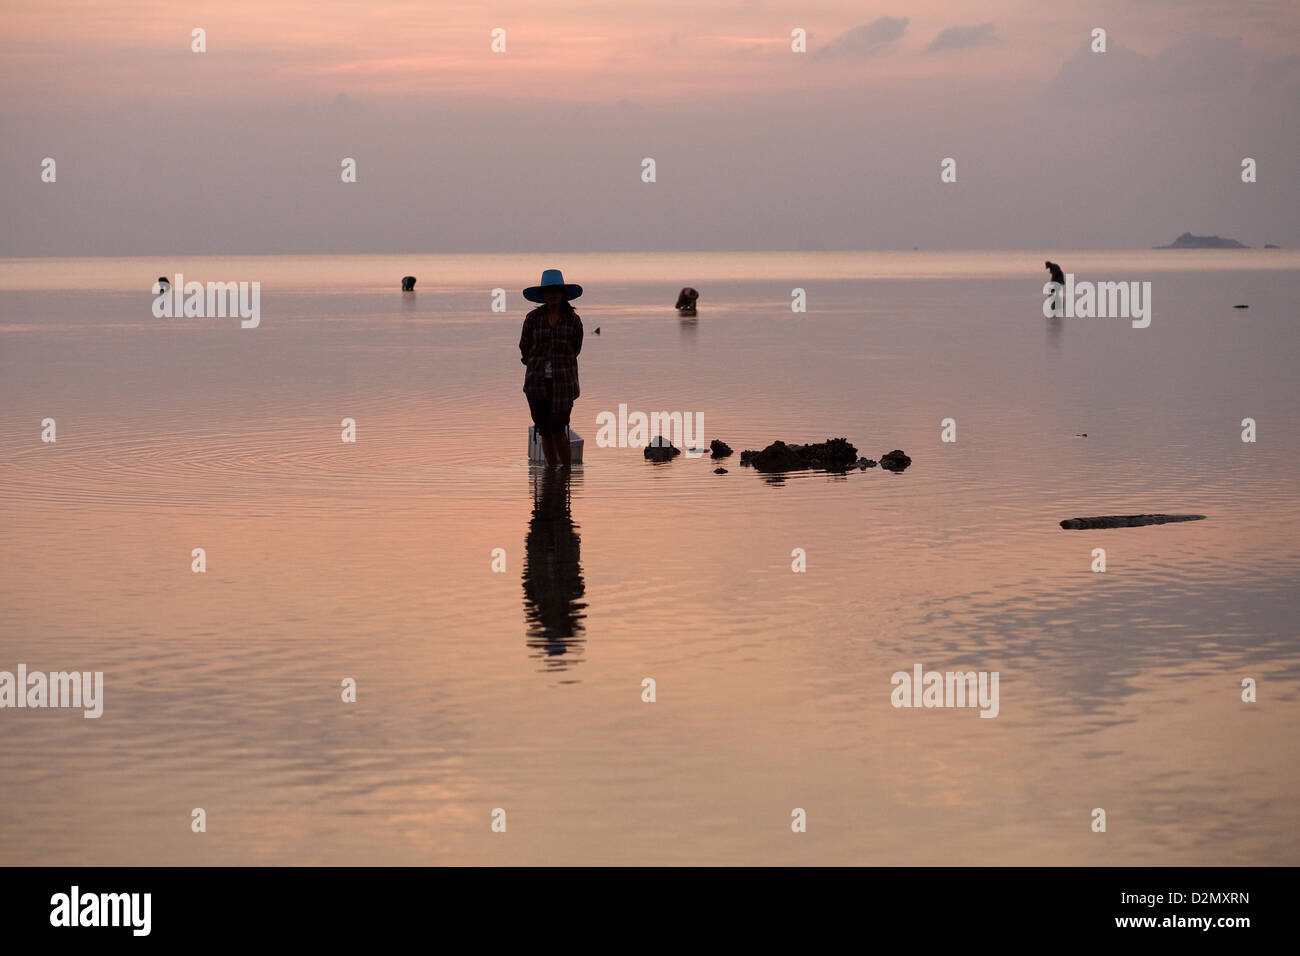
(522,690)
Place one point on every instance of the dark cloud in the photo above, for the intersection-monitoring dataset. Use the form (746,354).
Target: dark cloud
(961,38)
(870,39)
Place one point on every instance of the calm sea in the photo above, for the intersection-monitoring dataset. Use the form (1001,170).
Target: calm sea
(522,689)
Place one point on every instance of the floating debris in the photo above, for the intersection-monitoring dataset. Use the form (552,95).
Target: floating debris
(1123,521)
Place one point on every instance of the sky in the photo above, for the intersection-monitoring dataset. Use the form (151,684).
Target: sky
(239,149)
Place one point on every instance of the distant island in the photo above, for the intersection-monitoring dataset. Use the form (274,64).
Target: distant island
(1188,241)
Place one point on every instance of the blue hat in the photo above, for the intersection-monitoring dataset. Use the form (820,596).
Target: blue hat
(550,278)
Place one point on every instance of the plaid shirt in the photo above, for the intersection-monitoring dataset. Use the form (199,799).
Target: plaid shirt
(539,343)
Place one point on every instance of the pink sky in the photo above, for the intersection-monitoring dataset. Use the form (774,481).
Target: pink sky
(237,150)
(76,53)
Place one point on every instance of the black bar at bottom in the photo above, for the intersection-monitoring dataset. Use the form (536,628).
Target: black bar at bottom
(1222,906)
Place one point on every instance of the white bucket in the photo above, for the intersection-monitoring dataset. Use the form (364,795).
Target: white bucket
(535,452)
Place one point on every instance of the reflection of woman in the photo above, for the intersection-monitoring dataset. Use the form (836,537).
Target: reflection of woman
(549,347)
(553,584)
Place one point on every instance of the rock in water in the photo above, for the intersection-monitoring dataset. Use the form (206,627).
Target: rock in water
(895,460)
(777,456)
(661,449)
(408,283)
(719,471)
(865,463)
(720,449)
(834,454)
(1123,521)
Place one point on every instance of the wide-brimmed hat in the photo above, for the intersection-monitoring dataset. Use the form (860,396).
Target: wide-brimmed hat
(550,279)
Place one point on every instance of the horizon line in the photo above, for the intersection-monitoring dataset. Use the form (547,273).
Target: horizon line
(630,252)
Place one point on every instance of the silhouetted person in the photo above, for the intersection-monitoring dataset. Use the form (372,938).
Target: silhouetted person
(549,345)
(1057,276)
(552,574)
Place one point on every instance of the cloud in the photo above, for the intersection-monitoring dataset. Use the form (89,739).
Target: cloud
(1274,73)
(961,38)
(1092,79)
(1195,66)
(870,39)
(1201,63)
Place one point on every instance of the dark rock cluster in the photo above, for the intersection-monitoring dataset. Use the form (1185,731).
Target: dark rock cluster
(834,454)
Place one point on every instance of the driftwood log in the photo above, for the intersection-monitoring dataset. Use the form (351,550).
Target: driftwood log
(1123,521)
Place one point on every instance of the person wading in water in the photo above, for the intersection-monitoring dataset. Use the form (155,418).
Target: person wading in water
(549,347)
(1058,277)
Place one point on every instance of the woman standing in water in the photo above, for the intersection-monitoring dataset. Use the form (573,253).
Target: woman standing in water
(549,347)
